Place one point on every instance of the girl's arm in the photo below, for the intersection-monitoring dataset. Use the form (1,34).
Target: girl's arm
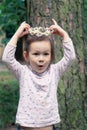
(69,52)
(68,57)
(9,52)
(21,31)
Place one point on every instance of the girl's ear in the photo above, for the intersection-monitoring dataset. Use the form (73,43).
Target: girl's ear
(26,57)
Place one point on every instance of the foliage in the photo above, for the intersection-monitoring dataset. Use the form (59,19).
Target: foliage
(8,98)
(12,13)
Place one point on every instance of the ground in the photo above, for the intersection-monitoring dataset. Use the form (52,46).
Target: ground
(3,66)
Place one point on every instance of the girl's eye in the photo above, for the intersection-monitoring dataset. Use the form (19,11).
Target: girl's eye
(46,54)
(36,54)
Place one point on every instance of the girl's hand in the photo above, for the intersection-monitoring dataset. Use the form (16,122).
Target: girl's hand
(22,30)
(56,29)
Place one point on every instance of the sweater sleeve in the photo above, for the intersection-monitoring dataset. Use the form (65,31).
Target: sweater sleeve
(68,58)
(9,58)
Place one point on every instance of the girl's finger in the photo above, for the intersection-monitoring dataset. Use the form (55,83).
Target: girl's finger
(25,24)
(53,20)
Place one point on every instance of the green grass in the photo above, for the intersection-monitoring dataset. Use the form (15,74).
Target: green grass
(9,94)
(6,76)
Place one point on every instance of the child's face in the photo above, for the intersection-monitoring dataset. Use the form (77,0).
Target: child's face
(39,55)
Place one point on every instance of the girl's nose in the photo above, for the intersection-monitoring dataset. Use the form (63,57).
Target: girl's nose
(41,58)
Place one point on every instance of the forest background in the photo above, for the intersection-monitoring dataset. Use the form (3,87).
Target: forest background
(72,90)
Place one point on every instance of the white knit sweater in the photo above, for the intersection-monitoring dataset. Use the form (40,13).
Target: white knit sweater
(38,106)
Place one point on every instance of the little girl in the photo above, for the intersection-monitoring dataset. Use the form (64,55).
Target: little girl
(38,78)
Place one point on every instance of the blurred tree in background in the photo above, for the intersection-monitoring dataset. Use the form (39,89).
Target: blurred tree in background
(12,13)
(71,15)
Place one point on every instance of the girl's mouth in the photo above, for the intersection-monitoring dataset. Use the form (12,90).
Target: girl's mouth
(40,66)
